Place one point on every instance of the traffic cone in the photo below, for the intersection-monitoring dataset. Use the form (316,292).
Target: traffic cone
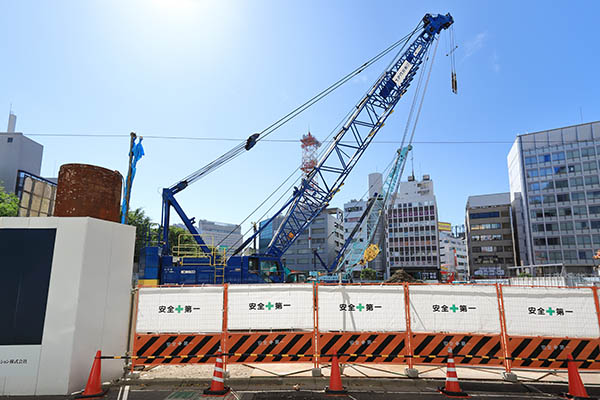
(93,388)
(335,379)
(217,386)
(576,389)
(452,388)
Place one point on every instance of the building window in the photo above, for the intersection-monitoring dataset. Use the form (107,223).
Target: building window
(550,212)
(485,226)
(573,154)
(570,255)
(581,225)
(576,182)
(549,199)
(590,166)
(535,199)
(585,254)
(592,180)
(561,184)
(564,212)
(546,171)
(560,156)
(575,168)
(595,224)
(594,209)
(566,226)
(495,214)
(539,241)
(530,160)
(551,227)
(593,195)
(544,158)
(561,170)
(537,214)
(587,152)
(532,173)
(579,210)
(562,197)
(553,241)
(537,227)
(9,140)
(568,240)
(576,196)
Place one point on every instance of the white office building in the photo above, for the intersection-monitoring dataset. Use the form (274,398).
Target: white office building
(412,230)
(220,234)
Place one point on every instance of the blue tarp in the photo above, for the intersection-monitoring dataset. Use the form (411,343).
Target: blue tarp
(138,152)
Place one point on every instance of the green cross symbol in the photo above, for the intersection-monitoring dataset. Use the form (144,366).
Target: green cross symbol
(179,309)
(360,307)
(454,308)
(550,311)
(269,306)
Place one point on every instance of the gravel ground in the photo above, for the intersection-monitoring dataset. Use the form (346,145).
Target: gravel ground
(197,371)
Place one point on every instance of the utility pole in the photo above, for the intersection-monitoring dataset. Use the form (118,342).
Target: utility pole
(128,185)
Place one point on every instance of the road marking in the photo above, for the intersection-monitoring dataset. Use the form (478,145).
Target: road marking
(125,393)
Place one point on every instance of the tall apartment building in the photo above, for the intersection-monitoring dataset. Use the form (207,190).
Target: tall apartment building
(325,235)
(453,253)
(225,236)
(555,189)
(412,230)
(490,236)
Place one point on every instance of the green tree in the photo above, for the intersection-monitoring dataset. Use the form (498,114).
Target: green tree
(143,227)
(368,274)
(9,203)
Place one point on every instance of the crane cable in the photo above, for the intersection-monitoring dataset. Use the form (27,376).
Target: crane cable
(316,98)
(255,138)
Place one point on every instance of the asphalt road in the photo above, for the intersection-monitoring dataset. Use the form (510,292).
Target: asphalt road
(359,389)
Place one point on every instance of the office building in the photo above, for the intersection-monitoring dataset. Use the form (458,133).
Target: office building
(325,235)
(555,189)
(223,235)
(412,230)
(453,254)
(17,153)
(490,236)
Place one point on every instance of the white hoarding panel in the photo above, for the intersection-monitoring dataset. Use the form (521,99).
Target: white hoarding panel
(19,360)
(361,308)
(454,308)
(273,306)
(547,311)
(181,309)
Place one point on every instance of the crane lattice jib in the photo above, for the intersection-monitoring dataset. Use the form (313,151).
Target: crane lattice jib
(325,180)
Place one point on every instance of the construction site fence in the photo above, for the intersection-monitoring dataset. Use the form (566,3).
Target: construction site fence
(498,325)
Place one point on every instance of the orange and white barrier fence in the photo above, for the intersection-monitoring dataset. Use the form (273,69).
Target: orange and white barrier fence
(494,325)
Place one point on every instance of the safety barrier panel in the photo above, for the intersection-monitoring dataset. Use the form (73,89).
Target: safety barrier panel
(486,325)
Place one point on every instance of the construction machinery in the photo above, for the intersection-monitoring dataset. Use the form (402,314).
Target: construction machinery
(207,264)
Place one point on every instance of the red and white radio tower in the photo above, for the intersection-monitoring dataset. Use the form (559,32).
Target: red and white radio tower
(310,145)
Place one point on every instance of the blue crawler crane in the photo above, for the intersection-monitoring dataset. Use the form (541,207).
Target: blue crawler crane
(169,263)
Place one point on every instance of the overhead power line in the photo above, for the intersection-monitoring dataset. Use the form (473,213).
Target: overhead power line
(294,141)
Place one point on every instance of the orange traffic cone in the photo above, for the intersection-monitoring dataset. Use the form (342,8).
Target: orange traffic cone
(93,388)
(335,379)
(452,388)
(576,389)
(217,386)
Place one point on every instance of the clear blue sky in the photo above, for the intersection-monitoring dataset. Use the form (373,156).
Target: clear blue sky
(227,69)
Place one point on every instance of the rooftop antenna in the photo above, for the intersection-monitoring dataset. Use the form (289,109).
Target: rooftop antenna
(12,121)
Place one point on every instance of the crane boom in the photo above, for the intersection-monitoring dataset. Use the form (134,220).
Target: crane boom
(327,177)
